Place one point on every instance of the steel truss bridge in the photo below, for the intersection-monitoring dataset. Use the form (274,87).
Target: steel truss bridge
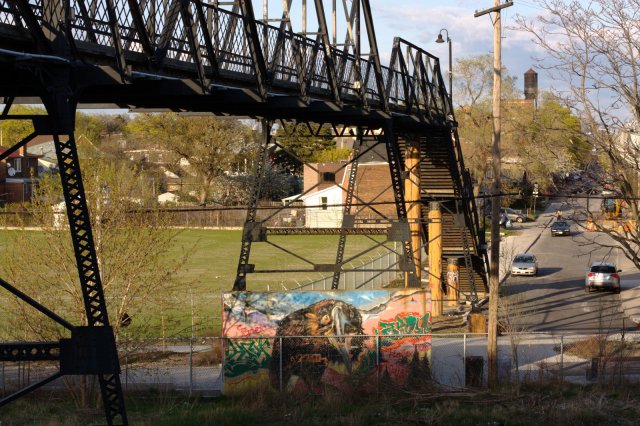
(218,57)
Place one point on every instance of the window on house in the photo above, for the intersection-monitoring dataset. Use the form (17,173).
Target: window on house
(325,202)
(328,177)
(17,164)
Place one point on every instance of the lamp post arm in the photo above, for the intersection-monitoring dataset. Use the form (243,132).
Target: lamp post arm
(450,73)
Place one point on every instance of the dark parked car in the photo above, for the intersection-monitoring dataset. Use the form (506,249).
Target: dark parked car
(560,227)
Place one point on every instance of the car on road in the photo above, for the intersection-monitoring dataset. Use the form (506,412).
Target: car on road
(524,264)
(513,215)
(560,227)
(602,275)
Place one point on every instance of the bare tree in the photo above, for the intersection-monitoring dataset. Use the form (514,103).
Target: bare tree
(474,81)
(592,51)
(511,310)
(135,253)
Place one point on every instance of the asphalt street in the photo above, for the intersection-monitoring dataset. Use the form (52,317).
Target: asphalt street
(555,300)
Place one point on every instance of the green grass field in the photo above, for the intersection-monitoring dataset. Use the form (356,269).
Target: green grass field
(210,270)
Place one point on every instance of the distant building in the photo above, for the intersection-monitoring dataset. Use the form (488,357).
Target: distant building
(168,197)
(325,187)
(18,174)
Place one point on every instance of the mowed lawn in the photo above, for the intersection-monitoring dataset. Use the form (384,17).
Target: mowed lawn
(211,264)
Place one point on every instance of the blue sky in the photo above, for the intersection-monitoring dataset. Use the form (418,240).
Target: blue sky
(420,21)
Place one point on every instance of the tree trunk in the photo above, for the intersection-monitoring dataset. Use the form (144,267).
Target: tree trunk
(204,189)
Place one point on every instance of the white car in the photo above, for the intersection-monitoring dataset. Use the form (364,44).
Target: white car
(602,275)
(524,264)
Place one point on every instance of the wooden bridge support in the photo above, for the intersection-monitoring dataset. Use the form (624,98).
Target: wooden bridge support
(453,281)
(435,258)
(412,200)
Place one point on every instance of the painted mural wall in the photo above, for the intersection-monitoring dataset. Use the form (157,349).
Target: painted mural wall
(308,340)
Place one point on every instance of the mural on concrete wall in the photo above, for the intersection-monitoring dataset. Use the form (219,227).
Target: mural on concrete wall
(306,340)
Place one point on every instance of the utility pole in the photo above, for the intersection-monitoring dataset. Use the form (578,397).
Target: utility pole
(494,257)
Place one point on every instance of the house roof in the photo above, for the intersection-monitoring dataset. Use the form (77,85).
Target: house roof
(15,154)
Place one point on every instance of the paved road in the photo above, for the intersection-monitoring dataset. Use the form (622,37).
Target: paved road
(555,301)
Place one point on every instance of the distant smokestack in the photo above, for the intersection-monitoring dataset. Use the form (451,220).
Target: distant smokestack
(531,85)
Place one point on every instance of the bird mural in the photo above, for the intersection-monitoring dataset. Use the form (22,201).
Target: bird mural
(326,328)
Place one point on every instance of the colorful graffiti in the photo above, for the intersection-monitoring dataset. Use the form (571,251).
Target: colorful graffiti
(406,323)
(307,340)
(246,356)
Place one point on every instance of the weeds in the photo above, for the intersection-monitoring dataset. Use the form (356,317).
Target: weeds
(549,404)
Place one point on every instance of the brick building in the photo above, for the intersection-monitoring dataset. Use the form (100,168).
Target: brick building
(325,187)
(18,174)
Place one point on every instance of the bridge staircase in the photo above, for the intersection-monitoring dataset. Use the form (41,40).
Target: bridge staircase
(443,179)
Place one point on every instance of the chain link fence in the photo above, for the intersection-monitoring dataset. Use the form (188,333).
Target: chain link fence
(368,272)
(456,360)
(187,216)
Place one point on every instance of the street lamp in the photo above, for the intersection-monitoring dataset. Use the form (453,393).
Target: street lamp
(440,39)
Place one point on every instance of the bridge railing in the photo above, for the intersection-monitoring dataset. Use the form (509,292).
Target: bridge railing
(415,83)
(196,40)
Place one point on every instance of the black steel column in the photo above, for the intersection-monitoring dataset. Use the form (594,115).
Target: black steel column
(251,230)
(395,168)
(347,221)
(62,113)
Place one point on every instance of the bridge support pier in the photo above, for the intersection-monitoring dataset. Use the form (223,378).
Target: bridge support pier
(91,350)
(412,197)
(435,258)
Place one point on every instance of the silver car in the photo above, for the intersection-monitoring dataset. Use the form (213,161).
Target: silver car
(602,275)
(524,264)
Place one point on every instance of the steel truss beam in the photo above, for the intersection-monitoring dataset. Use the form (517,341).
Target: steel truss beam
(396,168)
(394,230)
(249,232)
(327,231)
(91,349)
(346,226)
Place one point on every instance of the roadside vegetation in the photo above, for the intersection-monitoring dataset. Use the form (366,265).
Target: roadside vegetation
(552,404)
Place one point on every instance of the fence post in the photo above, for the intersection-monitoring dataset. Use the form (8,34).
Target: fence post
(562,357)
(190,365)
(377,363)
(464,359)
(126,363)
(280,364)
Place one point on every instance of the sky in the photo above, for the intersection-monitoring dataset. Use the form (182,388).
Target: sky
(420,21)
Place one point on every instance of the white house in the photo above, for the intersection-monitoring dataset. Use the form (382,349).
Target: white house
(324,208)
(168,197)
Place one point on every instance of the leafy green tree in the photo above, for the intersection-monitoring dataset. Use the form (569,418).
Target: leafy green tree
(542,141)
(209,144)
(13,131)
(549,140)
(308,147)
